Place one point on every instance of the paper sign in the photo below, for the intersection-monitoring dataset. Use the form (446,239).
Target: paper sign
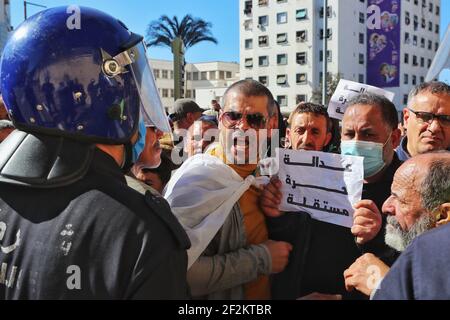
(325,185)
(345,91)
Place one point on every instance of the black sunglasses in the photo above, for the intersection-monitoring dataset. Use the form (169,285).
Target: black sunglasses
(428,117)
(254,120)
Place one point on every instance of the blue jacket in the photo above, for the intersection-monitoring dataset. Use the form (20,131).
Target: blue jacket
(421,272)
(402,151)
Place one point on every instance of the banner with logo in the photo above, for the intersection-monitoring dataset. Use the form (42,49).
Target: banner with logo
(383,43)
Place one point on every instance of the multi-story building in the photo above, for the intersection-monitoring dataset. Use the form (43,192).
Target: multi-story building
(281,43)
(5,22)
(204,81)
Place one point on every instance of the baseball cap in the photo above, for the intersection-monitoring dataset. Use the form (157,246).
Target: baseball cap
(183,106)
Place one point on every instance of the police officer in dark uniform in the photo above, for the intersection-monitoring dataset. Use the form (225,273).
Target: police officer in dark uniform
(70,228)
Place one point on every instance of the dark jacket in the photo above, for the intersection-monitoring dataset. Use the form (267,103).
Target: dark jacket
(90,237)
(322,251)
(421,272)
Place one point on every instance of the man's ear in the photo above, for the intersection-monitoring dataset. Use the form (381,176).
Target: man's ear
(287,139)
(396,137)
(405,117)
(327,139)
(443,214)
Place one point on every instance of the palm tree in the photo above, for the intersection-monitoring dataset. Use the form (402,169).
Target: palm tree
(191,30)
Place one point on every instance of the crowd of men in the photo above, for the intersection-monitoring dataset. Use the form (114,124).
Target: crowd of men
(105,196)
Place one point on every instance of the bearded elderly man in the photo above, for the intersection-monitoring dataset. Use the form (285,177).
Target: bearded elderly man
(419,201)
(215,199)
(427,120)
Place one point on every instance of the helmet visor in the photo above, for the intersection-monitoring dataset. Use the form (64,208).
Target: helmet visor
(152,110)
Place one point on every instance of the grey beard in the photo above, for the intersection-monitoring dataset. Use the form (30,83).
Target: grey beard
(399,239)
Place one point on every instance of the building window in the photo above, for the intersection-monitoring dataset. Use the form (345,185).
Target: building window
(248,7)
(248,24)
(328,55)
(282,59)
(301,36)
(430,7)
(414,40)
(172,93)
(430,45)
(416,23)
(438,11)
(361,78)
(407,39)
(263,21)
(221,75)
(301,14)
(361,38)
(329,33)
(423,23)
(263,3)
(248,43)
(362,17)
(228,75)
(301,78)
(407,18)
(203,75)
(406,58)
(429,63)
(415,63)
(405,79)
(405,99)
(171,74)
(300,98)
(282,17)
(263,41)
(195,76)
(165,74)
(188,94)
(436,46)
(212,74)
(301,57)
(263,61)
(281,79)
(264,80)
(437,29)
(414,80)
(361,58)
(282,101)
(422,79)
(249,63)
(422,62)
(156,72)
(430,26)
(328,12)
(188,75)
(282,38)
(165,93)
(422,42)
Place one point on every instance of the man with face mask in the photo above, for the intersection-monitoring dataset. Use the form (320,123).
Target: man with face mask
(70,227)
(369,130)
(419,201)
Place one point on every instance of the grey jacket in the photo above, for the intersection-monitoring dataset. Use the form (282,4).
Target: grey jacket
(228,262)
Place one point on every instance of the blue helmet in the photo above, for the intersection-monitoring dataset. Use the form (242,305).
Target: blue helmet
(88,79)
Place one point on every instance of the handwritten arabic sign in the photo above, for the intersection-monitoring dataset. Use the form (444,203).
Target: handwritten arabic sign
(322,184)
(345,91)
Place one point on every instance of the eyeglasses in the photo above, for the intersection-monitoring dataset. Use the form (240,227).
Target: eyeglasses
(428,117)
(254,120)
